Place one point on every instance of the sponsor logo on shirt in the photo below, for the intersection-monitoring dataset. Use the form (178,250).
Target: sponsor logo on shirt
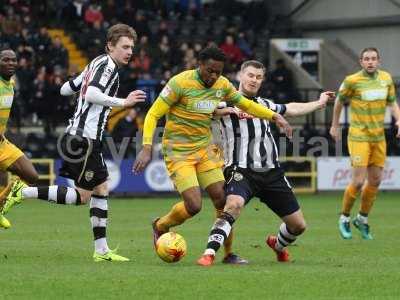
(205,106)
(376,94)
(6,101)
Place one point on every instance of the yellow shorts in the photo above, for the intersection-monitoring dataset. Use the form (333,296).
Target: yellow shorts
(198,169)
(364,154)
(9,153)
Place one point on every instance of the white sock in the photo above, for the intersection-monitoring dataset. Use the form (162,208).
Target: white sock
(209,252)
(54,194)
(284,238)
(344,219)
(362,219)
(98,219)
(30,192)
(101,246)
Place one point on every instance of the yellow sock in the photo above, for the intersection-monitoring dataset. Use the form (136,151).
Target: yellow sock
(229,239)
(177,215)
(4,193)
(350,195)
(368,196)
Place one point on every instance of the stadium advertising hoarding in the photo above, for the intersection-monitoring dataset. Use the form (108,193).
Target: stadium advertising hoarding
(305,53)
(334,173)
(121,180)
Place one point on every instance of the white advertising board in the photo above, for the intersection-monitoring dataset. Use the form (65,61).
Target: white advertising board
(334,173)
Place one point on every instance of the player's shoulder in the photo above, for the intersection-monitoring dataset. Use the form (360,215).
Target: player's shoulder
(222,82)
(353,78)
(103,59)
(184,77)
(384,75)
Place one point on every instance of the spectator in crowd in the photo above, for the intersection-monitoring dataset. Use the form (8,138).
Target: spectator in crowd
(282,79)
(58,54)
(93,14)
(127,126)
(142,62)
(232,51)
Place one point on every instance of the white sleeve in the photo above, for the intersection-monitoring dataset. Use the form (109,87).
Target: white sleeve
(72,86)
(95,95)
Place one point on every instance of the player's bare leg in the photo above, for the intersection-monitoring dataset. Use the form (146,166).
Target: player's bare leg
(24,169)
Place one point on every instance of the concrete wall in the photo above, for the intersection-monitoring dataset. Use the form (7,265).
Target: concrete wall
(364,23)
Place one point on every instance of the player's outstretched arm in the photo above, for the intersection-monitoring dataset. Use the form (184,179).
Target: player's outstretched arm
(259,111)
(95,95)
(337,109)
(294,109)
(72,86)
(157,110)
(395,110)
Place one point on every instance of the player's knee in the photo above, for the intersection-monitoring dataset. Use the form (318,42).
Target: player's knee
(85,197)
(358,184)
(297,227)
(193,207)
(233,207)
(301,228)
(375,181)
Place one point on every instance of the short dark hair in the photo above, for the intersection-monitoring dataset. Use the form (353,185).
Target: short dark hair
(212,52)
(368,49)
(3,49)
(117,31)
(252,63)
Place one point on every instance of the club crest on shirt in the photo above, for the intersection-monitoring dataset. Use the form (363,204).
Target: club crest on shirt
(237,176)
(106,76)
(89,175)
(218,94)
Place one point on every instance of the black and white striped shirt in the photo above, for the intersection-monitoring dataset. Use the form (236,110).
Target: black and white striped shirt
(248,141)
(89,118)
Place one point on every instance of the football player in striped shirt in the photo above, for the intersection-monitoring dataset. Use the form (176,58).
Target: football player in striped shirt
(188,101)
(12,159)
(81,145)
(252,167)
(369,92)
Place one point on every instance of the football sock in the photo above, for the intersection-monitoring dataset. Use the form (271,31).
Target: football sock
(368,196)
(176,216)
(285,238)
(5,191)
(219,232)
(55,194)
(363,218)
(98,219)
(228,241)
(350,195)
(344,219)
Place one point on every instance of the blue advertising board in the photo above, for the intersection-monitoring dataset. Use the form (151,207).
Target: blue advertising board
(154,179)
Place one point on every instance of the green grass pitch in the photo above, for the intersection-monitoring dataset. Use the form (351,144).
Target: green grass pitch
(47,255)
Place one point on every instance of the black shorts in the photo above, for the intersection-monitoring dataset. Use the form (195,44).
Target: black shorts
(82,161)
(271,187)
